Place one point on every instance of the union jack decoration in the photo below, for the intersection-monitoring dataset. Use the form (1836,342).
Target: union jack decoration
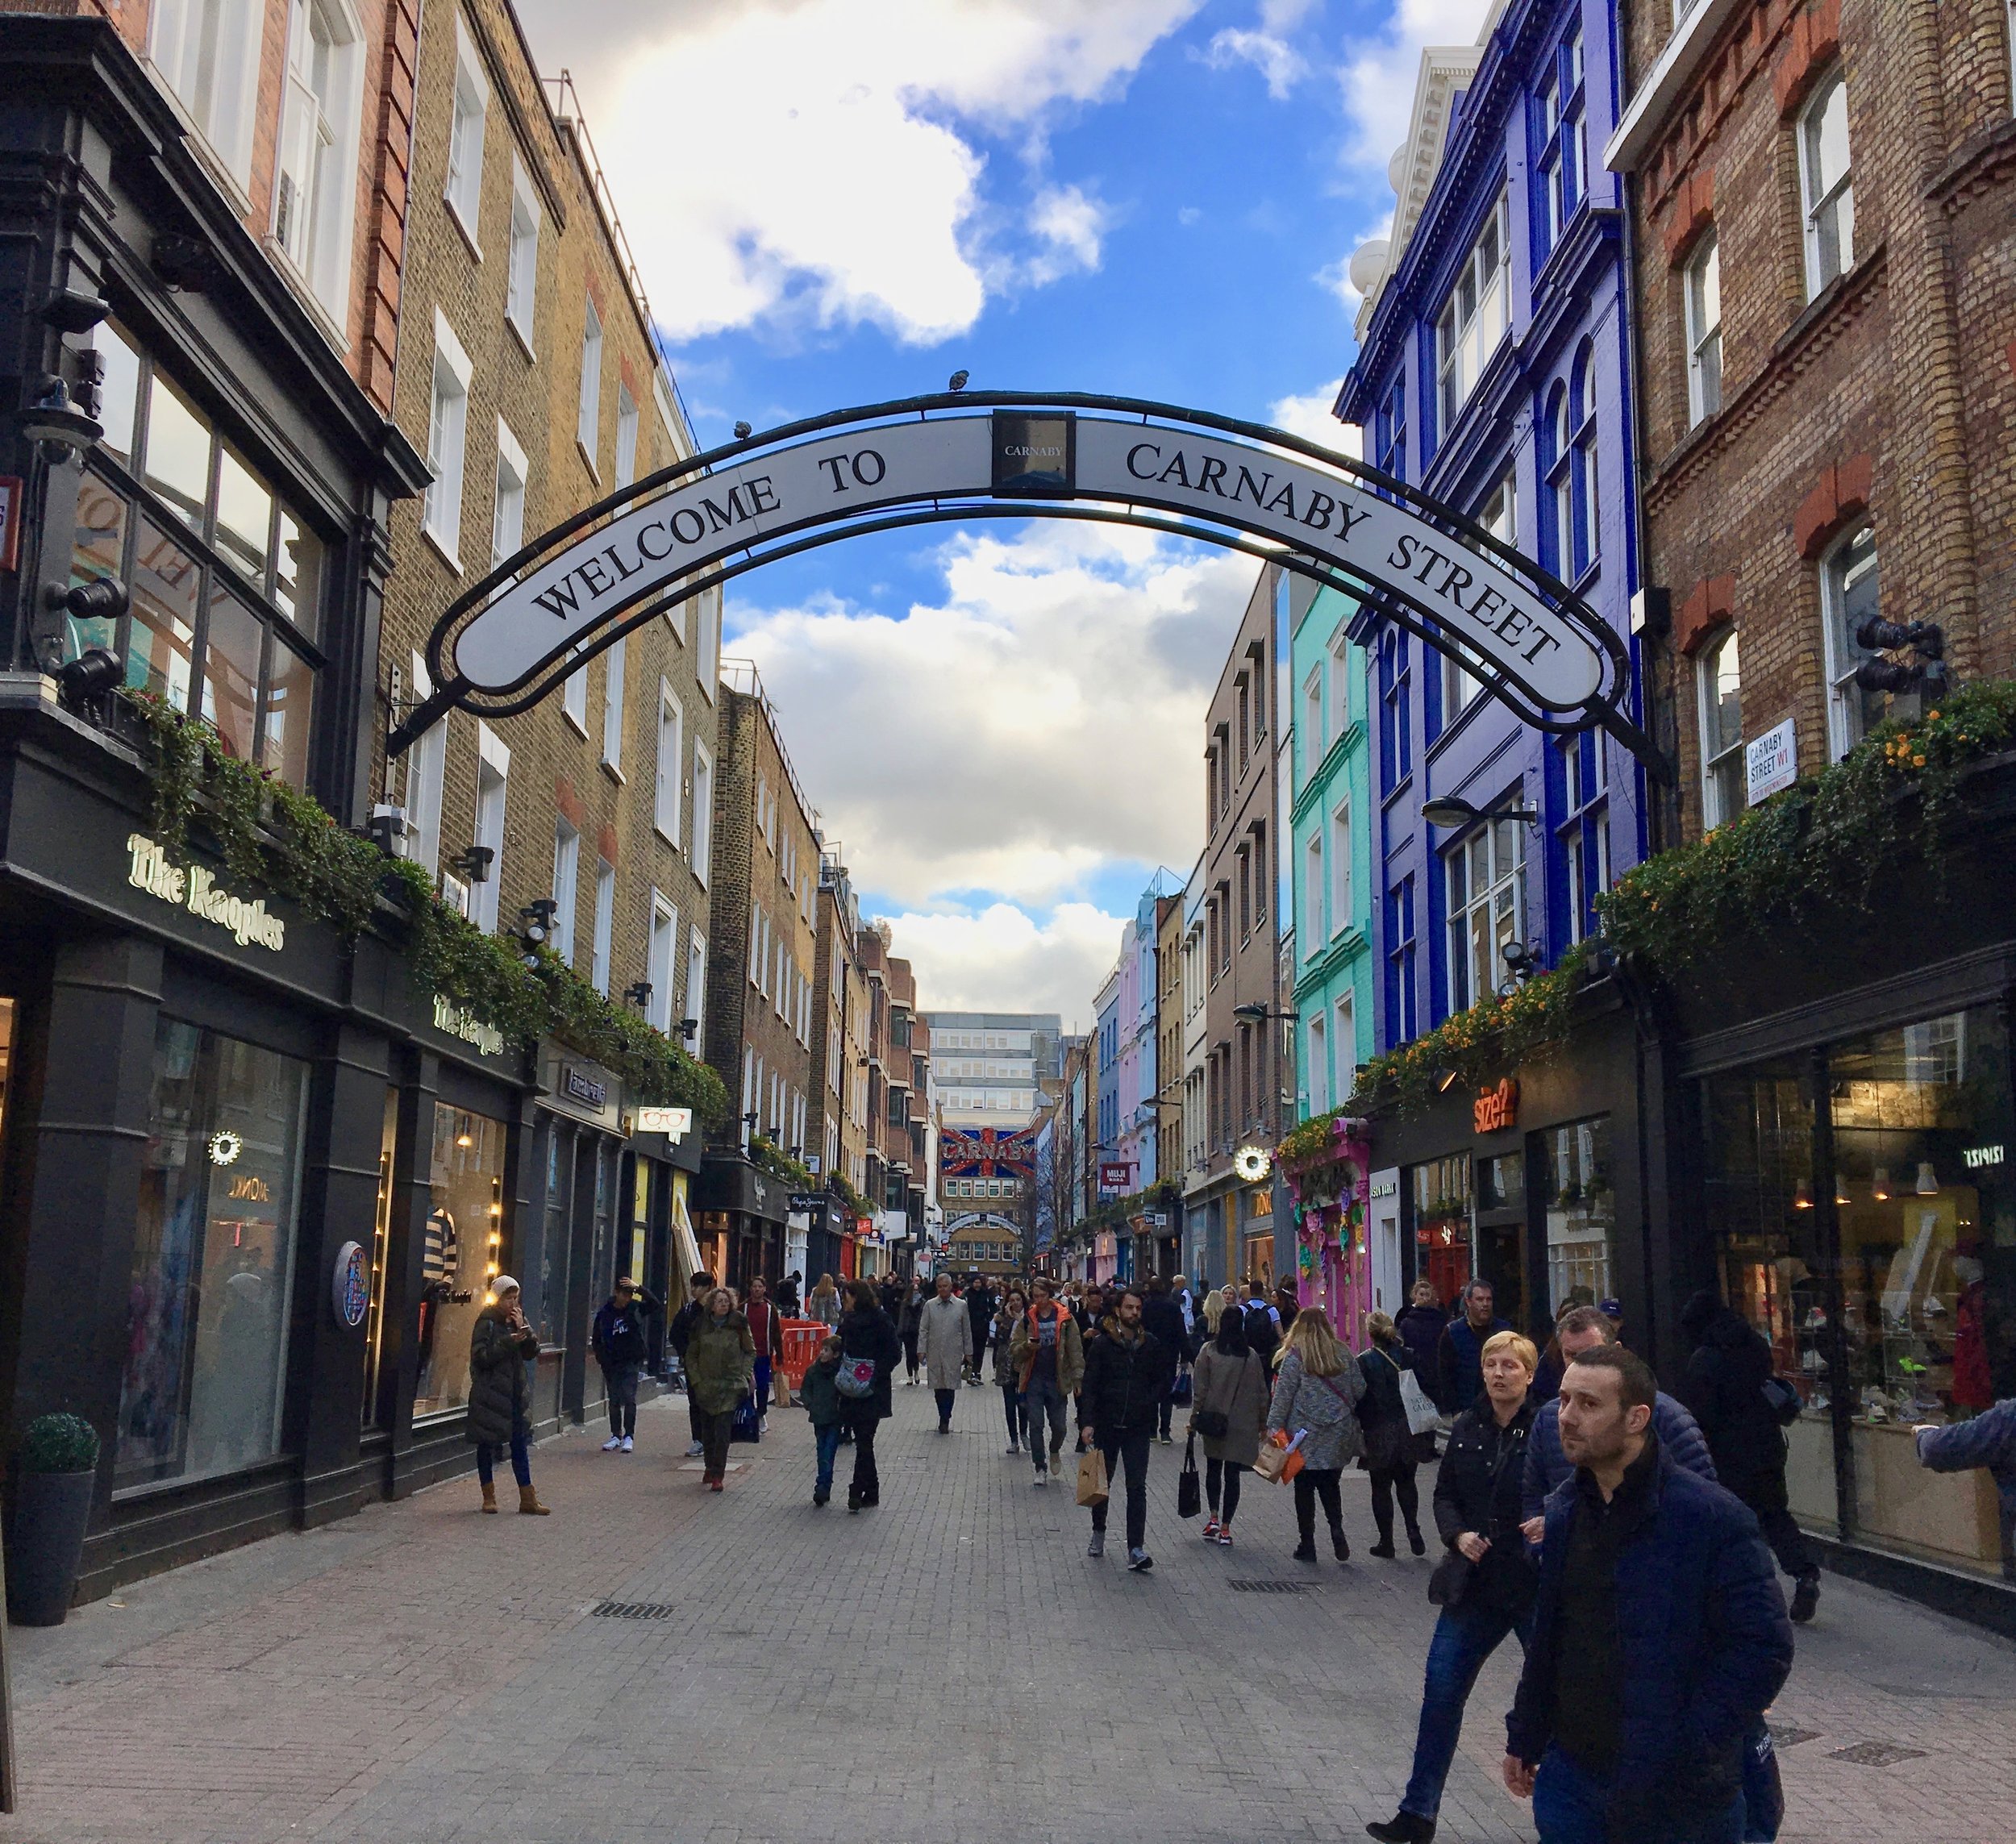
(988,1152)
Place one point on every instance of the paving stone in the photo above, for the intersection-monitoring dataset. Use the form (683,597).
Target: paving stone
(950,1664)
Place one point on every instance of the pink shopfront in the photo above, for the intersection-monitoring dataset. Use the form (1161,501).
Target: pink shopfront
(1330,1195)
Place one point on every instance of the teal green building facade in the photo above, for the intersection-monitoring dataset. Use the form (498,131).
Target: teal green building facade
(1331,839)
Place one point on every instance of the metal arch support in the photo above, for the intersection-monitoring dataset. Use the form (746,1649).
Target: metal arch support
(567,594)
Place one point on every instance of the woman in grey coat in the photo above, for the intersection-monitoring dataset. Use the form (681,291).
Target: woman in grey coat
(1229,1378)
(1315,1396)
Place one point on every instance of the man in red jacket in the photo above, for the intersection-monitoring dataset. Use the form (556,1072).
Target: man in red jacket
(767,1329)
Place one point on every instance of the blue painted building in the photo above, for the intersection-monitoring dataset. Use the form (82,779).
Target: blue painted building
(1494,374)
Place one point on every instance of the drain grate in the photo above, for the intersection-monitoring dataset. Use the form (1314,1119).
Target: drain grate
(1876,1754)
(635,1610)
(1270,1587)
(1792,1737)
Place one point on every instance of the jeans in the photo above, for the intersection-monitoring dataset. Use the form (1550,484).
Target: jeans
(761,1387)
(1167,1415)
(1788,1543)
(946,1399)
(714,1431)
(1043,1398)
(1013,1408)
(1386,1482)
(1464,1637)
(1310,1485)
(1570,1806)
(521,1458)
(1127,1452)
(867,1483)
(1221,1476)
(910,1353)
(619,1382)
(825,1444)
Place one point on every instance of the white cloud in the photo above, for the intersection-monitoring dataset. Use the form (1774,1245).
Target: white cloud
(1265,46)
(1308,415)
(1041,721)
(812,160)
(1378,77)
(1070,226)
(1002,959)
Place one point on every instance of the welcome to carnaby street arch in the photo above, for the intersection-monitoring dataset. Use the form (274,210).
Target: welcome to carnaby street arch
(575,590)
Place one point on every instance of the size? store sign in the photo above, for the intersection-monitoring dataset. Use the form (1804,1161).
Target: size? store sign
(1497,1109)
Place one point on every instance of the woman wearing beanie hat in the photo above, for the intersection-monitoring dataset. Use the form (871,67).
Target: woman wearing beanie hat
(501,1393)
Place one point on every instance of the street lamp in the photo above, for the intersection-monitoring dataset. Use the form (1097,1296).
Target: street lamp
(1260,1012)
(1452,811)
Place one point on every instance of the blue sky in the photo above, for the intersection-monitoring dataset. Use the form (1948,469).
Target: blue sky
(836,202)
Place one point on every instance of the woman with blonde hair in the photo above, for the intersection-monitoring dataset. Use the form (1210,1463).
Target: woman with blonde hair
(1315,1394)
(1485,1582)
(824,1302)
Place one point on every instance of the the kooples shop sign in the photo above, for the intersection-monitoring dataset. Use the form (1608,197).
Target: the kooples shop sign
(1465,592)
(192,887)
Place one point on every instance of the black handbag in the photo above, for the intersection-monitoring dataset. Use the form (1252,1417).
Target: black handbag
(1213,1424)
(1451,1580)
(1189,1494)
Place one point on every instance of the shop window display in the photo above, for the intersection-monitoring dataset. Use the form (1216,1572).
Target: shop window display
(1500,1232)
(1760,1200)
(213,1259)
(1580,1203)
(1441,1197)
(1888,1292)
(460,1251)
(1925,1203)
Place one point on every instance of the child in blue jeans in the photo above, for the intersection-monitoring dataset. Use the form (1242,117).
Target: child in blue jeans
(820,1393)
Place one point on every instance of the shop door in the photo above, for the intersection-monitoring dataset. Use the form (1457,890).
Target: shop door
(1389,1281)
(1501,1237)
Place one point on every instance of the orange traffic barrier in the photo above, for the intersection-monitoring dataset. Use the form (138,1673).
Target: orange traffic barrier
(802,1341)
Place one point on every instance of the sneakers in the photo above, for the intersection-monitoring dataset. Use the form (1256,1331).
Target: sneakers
(1403,1828)
(1043,1478)
(1098,1546)
(1139,1561)
(1806,1598)
(1382,1549)
(630,1443)
(695,1448)
(1224,1538)
(613,1444)
(1011,1451)
(1210,1530)
(853,1498)
(1166,1440)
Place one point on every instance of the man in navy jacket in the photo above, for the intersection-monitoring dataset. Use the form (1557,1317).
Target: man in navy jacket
(1588,1329)
(1659,1635)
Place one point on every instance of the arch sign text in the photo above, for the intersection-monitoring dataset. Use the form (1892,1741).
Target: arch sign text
(572,593)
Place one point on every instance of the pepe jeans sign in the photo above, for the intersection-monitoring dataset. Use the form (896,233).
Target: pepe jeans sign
(1472,595)
(192,887)
(451,1017)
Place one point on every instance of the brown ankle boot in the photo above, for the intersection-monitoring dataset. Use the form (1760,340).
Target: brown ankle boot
(489,1499)
(528,1503)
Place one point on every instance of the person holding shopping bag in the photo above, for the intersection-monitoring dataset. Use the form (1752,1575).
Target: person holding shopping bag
(1393,1449)
(1228,1407)
(1315,1393)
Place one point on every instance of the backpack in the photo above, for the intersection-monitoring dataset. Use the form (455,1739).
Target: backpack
(855,1378)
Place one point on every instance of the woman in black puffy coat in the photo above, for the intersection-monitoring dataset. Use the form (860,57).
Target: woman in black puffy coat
(500,1414)
(1393,1449)
(867,1334)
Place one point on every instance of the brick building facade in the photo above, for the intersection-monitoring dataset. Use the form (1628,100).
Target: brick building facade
(762,955)
(1823,195)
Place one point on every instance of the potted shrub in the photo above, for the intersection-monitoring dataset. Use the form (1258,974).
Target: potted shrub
(52,1504)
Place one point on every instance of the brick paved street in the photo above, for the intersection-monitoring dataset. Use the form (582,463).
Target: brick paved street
(950,1667)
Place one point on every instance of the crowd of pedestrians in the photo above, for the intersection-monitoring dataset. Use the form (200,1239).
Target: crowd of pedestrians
(1628,1539)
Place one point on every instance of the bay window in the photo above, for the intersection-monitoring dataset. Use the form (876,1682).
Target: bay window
(1476,316)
